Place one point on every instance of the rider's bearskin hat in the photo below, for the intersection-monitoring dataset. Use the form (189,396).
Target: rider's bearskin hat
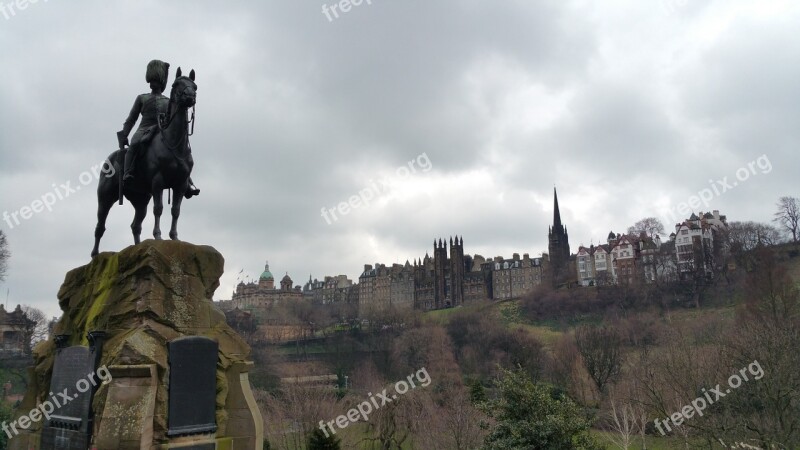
(157,73)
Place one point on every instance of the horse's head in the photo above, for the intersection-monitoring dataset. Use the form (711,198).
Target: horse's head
(184,90)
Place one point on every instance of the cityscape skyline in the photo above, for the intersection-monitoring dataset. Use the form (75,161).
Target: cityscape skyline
(626,258)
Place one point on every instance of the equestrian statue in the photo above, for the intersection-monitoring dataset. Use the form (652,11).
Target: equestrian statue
(158,157)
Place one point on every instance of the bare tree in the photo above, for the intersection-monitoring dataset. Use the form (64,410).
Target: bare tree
(788,215)
(601,350)
(396,425)
(744,237)
(650,226)
(623,424)
(764,339)
(461,422)
(295,411)
(666,264)
(567,370)
(5,253)
(36,328)
(643,418)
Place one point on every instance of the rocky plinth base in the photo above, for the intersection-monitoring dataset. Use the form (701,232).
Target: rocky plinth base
(143,298)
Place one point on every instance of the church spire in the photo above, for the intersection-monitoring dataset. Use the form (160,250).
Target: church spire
(556,212)
(559,245)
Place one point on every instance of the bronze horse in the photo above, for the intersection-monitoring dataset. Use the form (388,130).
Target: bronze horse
(165,163)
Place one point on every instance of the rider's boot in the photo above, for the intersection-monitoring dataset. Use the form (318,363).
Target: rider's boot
(192,191)
(130,161)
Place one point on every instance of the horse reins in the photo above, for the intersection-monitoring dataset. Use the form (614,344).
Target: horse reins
(184,138)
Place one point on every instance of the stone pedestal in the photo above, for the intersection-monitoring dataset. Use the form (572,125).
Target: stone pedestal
(127,419)
(243,427)
(144,297)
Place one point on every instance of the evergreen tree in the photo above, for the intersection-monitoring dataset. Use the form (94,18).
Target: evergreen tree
(532,416)
(477,393)
(5,417)
(318,441)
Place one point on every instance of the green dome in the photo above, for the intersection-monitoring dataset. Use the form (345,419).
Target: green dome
(267,275)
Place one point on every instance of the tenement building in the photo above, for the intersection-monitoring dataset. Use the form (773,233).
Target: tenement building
(625,259)
(329,290)
(514,277)
(698,244)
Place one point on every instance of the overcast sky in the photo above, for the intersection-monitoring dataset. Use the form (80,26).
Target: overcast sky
(629,108)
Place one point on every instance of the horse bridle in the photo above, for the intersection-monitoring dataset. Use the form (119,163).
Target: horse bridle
(163,126)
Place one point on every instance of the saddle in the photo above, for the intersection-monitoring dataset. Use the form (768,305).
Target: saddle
(147,136)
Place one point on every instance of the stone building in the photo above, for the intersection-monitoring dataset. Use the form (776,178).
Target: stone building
(624,254)
(401,286)
(242,321)
(512,278)
(594,264)
(329,290)
(264,293)
(626,259)
(443,282)
(436,282)
(698,246)
(14,328)
(373,288)
(648,267)
(381,287)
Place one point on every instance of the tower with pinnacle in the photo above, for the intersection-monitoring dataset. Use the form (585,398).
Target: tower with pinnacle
(558,245)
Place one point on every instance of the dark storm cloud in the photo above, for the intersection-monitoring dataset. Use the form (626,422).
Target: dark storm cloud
(623,107)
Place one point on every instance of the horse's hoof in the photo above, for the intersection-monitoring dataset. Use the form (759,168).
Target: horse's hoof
(157,237)
(94,253)
(174,237)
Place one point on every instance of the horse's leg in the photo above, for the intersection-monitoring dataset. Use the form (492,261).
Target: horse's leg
(107,194)
(176,212)
(140,204)
(158,208)
(103,207)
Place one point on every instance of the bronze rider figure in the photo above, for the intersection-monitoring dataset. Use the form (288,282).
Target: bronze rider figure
(149,106)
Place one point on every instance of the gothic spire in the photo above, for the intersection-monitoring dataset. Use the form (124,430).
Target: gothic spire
(556,212)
